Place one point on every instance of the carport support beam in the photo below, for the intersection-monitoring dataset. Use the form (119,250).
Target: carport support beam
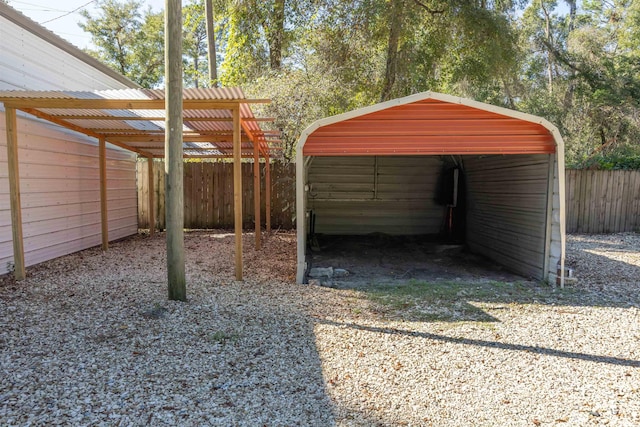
(237,189)
(151,201)
(256,192)
(104,221)
(14,193)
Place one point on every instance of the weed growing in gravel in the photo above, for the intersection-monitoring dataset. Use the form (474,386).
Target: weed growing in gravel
(450,301)
(222,337)
(158,311)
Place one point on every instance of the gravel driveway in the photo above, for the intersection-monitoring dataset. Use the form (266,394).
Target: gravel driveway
(90,339)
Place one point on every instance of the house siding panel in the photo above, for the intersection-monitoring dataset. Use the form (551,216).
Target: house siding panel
(59,171)
(29,62)
(60,193)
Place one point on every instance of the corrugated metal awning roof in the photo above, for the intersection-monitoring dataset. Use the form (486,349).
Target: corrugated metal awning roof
(135,118)
(428,124)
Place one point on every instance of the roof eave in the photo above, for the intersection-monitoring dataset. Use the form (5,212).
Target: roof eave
(38,30)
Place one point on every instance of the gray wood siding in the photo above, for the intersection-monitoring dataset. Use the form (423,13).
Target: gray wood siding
(360,195)
(507,210)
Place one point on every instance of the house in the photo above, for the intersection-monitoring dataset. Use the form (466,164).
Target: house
(58,168)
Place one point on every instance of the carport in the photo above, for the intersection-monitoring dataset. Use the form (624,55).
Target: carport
(217,123)
(437,165)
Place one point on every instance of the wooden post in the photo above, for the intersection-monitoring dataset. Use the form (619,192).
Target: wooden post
(152,207)
(256,193)
(237,189)
(14,193)
(104,221)
(173,151)
(267,193)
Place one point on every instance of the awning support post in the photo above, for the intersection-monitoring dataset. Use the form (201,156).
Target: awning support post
(151,199)
(256,193)
(104,220)
(14,193)
(267,193)
(237,189)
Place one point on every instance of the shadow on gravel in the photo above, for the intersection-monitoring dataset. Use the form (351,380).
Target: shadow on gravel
(489,344)
(90,339)
(419,279)
(463,301)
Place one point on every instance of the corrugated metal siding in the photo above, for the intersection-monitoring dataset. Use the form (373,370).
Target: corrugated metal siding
(59,183)
(429,126)
(507,210)
(348,198)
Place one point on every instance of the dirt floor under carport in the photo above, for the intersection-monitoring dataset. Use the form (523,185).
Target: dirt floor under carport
(380,258)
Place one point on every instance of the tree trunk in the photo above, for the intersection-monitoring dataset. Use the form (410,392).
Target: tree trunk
(547,33)
(391,68)
(211,44)
(196,80)
(275,35)
(568,96)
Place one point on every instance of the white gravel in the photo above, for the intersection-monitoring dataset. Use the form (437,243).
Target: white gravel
(90,339)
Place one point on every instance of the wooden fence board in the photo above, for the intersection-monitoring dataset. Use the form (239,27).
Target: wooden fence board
(636,203)
(618,194)
(582,200)
(596,201)
(208,195)
(602,201)
(571,184)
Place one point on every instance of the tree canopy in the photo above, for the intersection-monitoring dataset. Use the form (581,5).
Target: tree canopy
(575,63)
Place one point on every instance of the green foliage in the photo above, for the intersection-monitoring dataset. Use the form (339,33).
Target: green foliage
(128,39)
(615,161)
(575,64)
(581,72)
(195,45)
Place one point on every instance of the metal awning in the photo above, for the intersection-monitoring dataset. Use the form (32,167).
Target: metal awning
(134,119)
(215,121)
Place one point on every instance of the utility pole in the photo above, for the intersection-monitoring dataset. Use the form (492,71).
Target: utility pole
(173,150)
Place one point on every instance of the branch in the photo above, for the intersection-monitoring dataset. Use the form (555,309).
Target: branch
(428,9)
(591,78)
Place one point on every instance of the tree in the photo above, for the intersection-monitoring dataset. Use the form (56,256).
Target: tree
(259,36)
(590,64)
(576,66)
(127,39)
(195,44)
(348,54)
(211,42)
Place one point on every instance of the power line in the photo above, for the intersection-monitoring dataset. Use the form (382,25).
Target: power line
(39,6)
(68,13)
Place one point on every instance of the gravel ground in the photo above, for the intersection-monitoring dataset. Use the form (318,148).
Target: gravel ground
(90,339)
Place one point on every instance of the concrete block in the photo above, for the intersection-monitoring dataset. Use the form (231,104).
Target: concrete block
(318,272)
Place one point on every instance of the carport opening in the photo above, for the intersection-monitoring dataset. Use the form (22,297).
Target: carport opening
(385,219)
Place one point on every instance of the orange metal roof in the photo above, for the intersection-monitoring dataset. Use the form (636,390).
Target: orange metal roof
(429,126)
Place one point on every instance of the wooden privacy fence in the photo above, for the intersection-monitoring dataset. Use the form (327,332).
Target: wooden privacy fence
(602,201)
(597,201)
(208,195)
